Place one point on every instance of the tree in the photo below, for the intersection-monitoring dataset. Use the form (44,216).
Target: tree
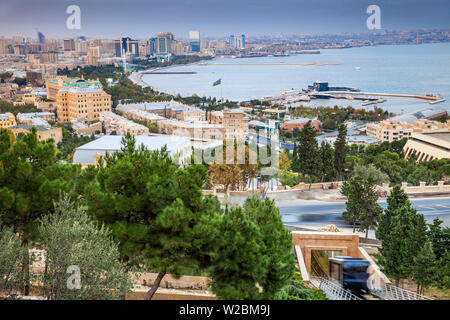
(277,243)
(440,240)
(340,152)
(72,238)
(371,174)
(307,152)
(12,274)
(297,290)
(361,204)
(326,167)
(155,209)
(284,163)
(396,199)
(402,233)
(253,257)
(425,269)
(30,179)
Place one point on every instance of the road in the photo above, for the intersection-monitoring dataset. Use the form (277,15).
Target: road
(330,211)
(315,213)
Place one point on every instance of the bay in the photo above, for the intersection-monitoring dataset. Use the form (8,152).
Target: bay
(408,69)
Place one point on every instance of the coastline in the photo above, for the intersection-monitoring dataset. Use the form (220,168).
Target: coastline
(136,77)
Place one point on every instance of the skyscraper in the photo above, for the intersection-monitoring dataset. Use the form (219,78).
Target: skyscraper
(41,38)
(237,42)
(93,55)
(194,41)
(68,44)
(164,43)
(127,45)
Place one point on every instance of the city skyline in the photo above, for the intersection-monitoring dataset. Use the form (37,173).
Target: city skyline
(108,19)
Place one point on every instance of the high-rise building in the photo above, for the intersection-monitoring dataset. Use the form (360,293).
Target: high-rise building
(41,38)
(237,42)
(232,42)
(19,49)
(81,46)
(49,57)
(163,43)
(3,46)
(68,44)
(126,45)
(177,47)
(93,55)
(194,41)
(144,48)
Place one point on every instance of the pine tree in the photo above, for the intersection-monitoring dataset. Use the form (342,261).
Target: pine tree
(340,153)
(424,270)
(326,162)
(307,152)
(30,180)
(396,199)
(253,257)
(361,204)
(401,239)
(155,209)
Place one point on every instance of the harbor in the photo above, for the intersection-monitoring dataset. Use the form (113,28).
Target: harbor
(321,90)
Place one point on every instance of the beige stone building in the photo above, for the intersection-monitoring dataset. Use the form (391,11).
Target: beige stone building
(41,132)
(7,120)
(194,129)
(393,130)
(113,122)
(428,146)
(86,127)
(82,103)
(93,54)
(234,121)
(55,84)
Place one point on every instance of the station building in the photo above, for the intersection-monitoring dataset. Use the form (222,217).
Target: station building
(428,146)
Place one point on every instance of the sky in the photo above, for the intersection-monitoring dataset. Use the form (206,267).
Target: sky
(217,18)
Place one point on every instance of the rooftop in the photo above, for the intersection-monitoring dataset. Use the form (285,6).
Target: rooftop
(423,113)
(110,144)
(299,120)
(444,136)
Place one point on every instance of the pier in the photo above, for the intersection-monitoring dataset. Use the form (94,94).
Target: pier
(272,64)
(169,72)
(432,99)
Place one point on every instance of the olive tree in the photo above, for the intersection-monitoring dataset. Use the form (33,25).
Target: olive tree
(81,259)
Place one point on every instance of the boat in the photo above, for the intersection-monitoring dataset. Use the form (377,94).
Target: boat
(357,68)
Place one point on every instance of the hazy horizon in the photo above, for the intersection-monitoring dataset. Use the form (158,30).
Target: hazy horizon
(142,19)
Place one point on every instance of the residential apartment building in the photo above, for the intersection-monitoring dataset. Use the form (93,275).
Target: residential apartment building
(393,130)
(194,129)
(36,118)
(113,122)
(7,120)
(93,55)
(42,133)
(138,114)
(234,121)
